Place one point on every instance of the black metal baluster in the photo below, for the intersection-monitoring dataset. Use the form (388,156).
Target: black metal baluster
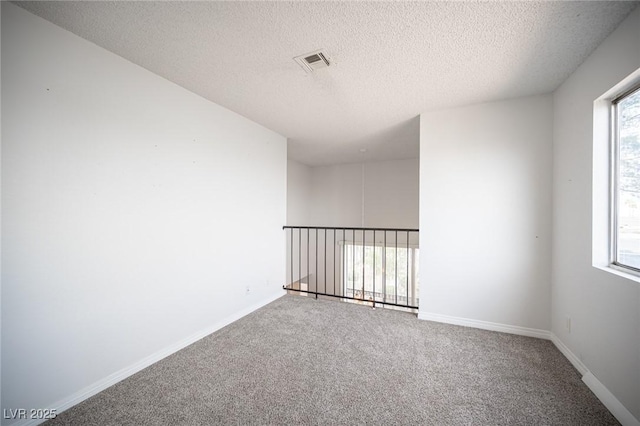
(325,260)
(353,267)
(413,275)
(335,243)
(343,261)
(308,272)
(316,270)
(396,267)
(363,260)
(407,267)
(299,258)
(374,269)
(291,257)
(384,266)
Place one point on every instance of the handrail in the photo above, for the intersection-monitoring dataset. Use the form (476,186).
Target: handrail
(348,228)
(367,265)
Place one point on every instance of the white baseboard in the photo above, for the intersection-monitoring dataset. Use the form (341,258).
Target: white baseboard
(612,403)
(118,376)
(618,410)
(605,396)
(486,325)
(573,359)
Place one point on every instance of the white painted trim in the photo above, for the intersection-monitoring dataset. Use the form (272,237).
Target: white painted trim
(118,376)
(619,411)
(486,325)
(605,396)
(616,408)
(619,271)
(573,359)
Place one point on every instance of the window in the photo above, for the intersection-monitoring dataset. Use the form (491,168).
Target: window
(384,274)
(625,212)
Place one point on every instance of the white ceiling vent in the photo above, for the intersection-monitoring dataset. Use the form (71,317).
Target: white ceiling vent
(313,60)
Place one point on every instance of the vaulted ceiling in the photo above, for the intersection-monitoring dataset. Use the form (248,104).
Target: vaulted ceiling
(390,61)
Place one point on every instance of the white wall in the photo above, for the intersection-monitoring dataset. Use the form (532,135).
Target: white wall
(134,213)
(391,194)
(485,212)
(380,194)
(604,308)
(377,194)
(336,195)
(298,193)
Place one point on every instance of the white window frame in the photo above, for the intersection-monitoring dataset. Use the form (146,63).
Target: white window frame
(614,183)
(602,188)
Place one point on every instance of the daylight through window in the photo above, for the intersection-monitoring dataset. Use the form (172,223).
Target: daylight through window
(384,274)
(626,181)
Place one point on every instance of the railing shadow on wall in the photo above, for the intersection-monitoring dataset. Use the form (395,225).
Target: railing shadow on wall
(377,266)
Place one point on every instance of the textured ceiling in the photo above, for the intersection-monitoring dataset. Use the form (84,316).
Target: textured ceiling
(391,60)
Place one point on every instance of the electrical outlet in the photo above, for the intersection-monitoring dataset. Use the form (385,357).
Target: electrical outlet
(567,323)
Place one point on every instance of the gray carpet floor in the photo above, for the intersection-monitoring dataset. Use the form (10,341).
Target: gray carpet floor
(304,361)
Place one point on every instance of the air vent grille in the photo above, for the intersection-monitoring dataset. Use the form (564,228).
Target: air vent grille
(313,60)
